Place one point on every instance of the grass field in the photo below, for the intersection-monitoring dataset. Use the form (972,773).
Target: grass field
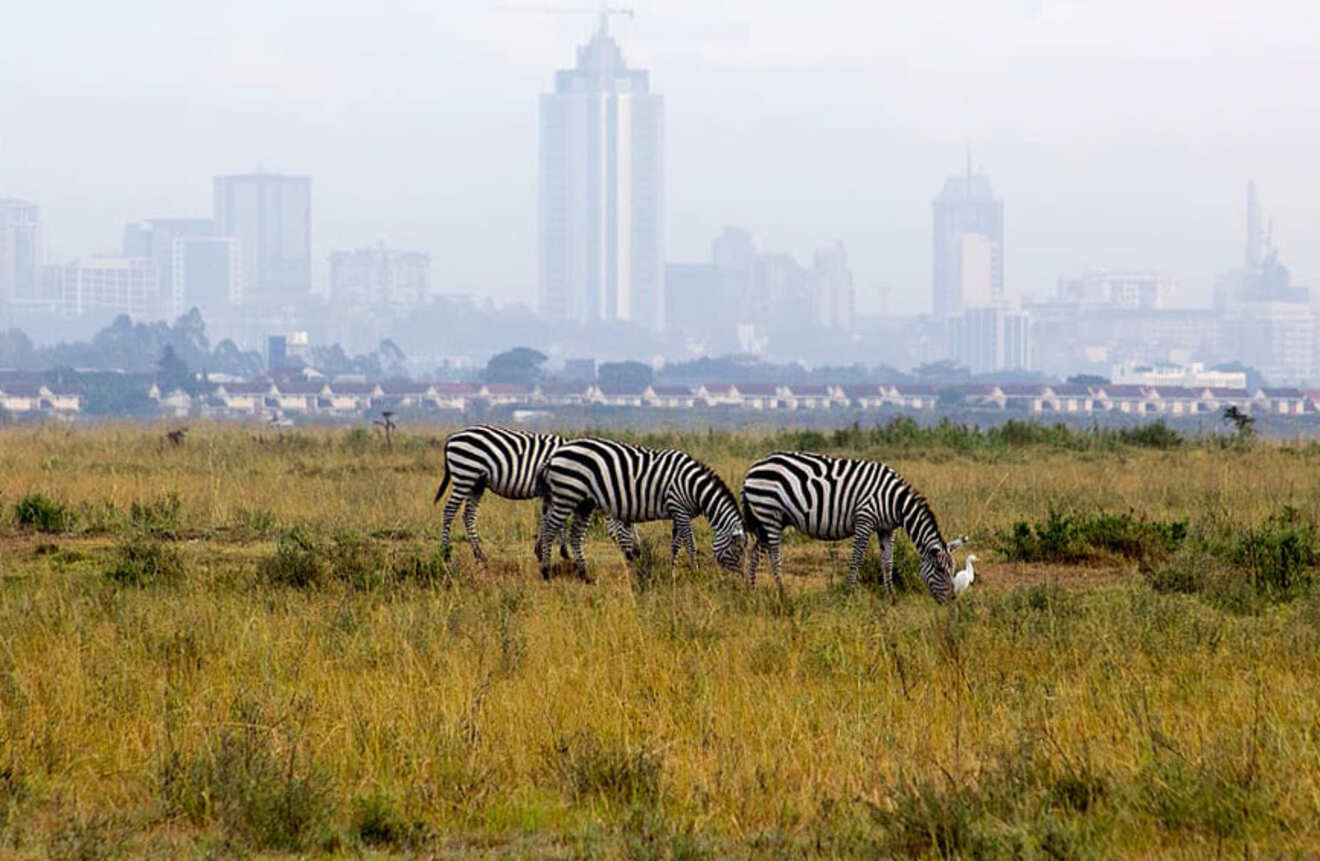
(247,644)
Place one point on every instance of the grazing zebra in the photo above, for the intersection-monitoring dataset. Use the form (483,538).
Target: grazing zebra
(633,484)
(834,498)
(503,460)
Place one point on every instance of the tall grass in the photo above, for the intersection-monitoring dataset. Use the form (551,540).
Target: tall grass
(285,666)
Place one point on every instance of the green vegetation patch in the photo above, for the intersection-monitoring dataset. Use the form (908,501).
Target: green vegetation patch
(1082,537)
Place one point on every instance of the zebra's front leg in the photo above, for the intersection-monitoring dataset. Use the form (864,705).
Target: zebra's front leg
(451,509)
(681,534)
(552,524)
(576,534)
(865,528)
(887,564)
(470,524)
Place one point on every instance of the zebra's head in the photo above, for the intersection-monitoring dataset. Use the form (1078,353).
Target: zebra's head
(729,545)
(937,571)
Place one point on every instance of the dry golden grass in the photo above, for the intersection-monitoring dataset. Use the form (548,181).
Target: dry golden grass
(1053,710)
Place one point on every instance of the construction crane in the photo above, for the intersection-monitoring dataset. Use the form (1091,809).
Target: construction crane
(604,11)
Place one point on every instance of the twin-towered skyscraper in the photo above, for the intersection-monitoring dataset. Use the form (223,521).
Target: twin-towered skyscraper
(602,191)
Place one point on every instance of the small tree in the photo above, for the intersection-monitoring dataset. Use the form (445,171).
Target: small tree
(625,375)
(1243,424)
(519,365)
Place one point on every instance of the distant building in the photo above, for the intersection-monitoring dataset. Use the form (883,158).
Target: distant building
(379,277)
(1193,375)
(123,285)
(697,299)
(20,249)
(1118,289)
(991,339)
(602,191)
(579,370)
(206,272)
(270,213)
(966,206)
(1277,339)
(831,285)
(155,239)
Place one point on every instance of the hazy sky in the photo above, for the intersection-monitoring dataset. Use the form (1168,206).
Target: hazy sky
(1119,133)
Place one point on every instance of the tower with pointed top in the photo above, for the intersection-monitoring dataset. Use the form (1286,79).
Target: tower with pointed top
(969,244)
(602,191)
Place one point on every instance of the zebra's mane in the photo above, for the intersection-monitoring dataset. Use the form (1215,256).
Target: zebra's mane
(721,489)
(921,508)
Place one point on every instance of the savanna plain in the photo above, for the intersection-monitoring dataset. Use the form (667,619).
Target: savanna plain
(249,644)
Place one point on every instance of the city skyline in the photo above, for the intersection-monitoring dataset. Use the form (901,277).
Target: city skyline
(1158,189)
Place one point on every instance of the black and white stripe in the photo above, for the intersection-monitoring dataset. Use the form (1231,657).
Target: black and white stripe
(506,462)
(834,498)
(634,484)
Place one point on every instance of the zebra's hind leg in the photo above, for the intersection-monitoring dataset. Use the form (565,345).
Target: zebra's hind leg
(580,520)
(751,563)
(772,542)
(470,522)
(451,508)
(552,524)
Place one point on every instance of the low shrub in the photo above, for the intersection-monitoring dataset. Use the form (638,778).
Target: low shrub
(1239,570)
(44,514)
(158,517)
(1072,538)
(266,797)
(143,562)
(377,824)
(304,560)
(591,768)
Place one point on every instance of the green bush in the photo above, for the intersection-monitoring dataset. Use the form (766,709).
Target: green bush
(306,561)
(376,823)
(1072,538)
(591,768)
(142,562)
(297,561)
(44,514)
(265,797)
(1238,569)
(158,517)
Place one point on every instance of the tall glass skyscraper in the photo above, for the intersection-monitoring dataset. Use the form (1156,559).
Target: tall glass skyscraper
(270,213)
(967,207)
(602,191)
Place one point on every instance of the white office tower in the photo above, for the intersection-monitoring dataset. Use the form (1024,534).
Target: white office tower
(602,191)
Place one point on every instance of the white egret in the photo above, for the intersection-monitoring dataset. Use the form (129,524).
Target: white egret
(964,578)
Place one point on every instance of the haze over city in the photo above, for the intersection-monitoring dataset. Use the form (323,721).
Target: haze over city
(1118,134)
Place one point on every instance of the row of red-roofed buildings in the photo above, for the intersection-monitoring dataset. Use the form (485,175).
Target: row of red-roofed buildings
(301,397)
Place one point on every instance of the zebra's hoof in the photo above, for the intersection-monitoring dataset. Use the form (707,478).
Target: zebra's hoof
(563,552)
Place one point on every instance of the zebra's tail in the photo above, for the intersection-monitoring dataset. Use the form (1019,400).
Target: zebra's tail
(444,485)
(754,525)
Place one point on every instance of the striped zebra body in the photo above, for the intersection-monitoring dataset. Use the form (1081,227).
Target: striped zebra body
(502,460)
(834,498)
(633,484)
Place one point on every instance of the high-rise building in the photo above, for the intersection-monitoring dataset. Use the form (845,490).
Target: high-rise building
(206,272)
(966,205)
(1115,288)
(379,277)
(602,190)
(832,288)
(20,249)
(270,213)
(123,285)
(991,339)
(155,239)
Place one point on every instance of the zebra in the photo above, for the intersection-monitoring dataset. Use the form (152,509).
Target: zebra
(834,498)
(505,461)
(634,484)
